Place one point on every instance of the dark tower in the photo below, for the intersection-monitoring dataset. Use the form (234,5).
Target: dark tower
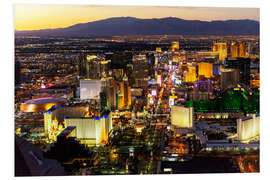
(82,61)
(243,64)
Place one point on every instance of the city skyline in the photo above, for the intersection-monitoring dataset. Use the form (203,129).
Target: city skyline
(136,90)
(55,16)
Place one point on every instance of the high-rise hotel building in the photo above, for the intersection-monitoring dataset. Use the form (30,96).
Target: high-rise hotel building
(238,49)
(93,67)
(124,100)
(190,75)
(205,69)
(140,70)
(243,65)
(229,78)
(221,48)
(175,46)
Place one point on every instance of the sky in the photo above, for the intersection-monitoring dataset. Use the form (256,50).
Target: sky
(40,16)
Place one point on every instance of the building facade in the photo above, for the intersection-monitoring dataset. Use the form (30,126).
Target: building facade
(90,130)
(243,65)
(221,48)
(229,78)
(205,70)
(248,127)
(182,116)
(90,89)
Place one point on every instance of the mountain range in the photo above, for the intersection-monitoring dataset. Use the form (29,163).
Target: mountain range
(120,26)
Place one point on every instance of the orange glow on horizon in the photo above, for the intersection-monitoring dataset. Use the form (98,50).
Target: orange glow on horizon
(38,16)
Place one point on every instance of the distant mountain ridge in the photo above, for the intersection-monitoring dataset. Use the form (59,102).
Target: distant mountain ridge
(120,26)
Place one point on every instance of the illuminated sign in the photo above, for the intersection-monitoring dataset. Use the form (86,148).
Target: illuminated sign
(171,101)
(91,57)
(151,101)
(43,86)
(139,129)
(167,169)
(173,76)
(105,62)
(159,79)
(152,82)
(173,97)
(181,99)
(154,92)
(158,49)
(177,81)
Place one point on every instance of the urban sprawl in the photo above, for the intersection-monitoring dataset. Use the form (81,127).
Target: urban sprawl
(137,105)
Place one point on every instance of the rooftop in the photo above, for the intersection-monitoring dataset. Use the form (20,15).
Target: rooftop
(45,100)
(67,131)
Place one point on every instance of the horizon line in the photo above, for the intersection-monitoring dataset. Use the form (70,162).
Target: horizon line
(138,18)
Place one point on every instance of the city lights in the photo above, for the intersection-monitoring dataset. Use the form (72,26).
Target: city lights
(160,95)
(154,92)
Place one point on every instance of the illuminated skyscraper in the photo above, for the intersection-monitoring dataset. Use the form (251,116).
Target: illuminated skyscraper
(81,59)
(158,50)
(111,92)
(93,67)
(190,75)
(121,96)
(205,69)
(91,130)
(207,55)
(221,48)
(55,116)
(248,127)
(238,49)
(234,50)
(91,127)
(47,122)
(124,100)
(175,46)
(140,70)
(182,116)
(242,50)
(105,68)
(127,92)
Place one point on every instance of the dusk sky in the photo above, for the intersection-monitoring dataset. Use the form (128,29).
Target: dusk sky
(34,17)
